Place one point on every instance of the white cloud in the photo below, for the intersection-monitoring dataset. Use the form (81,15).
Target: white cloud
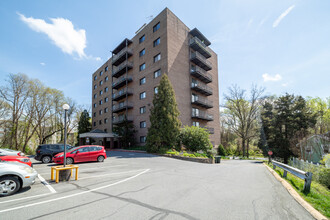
(280,18)
(98,58)
(285,84)
(62,33)
(42,64)
(268,77)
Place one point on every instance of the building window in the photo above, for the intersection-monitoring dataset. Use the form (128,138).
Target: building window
(95,86)
(101,73)
(95,78)
(157,73)
(106,99)
(105,110)
(106,68)
(142,95)
(194,97)
(95,105)
(94,123)
(142,110)
(142,52)
(105,130)
(106,89)
(95,96)
(100,112)
(142,66)
(156,90)
(101,102)
(94,114)
(157,42)
(100,122)
(101,92)
(157,58)
(156,27)
(101,82)
(195,111)
(142,39)
(142,81)
(142,139)
(196,123)
(105,121)
(106,79)
(143,124)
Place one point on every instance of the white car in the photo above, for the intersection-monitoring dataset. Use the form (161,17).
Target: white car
(9,152)
(15,176)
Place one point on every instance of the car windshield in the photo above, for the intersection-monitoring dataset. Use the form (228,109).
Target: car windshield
(73,149)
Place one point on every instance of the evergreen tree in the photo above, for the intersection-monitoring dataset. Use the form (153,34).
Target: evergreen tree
(126,132)
(84,124)
(165,125)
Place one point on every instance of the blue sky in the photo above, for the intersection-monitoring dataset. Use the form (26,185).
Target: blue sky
(283,46)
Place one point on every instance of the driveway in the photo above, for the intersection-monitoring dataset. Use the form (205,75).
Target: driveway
(142,186)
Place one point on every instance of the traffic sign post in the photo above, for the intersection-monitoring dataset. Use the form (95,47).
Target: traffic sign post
(270,153)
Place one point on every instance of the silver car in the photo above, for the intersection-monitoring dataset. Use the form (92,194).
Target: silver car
(15,176)
(7,152)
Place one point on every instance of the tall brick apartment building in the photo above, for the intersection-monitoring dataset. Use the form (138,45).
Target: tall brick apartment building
(126,83)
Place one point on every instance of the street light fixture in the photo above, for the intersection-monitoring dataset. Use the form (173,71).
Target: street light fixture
(66,107)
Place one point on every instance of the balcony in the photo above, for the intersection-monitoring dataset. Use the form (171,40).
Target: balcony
(210,130)
(121,56)
(199,46)
(121,69)
(122,94)
(197,100)
(121,82)
(201,88)
(122,106)
(196,33)
(202,115)
(200,74)
(200,60)
(125,43)
(121,119)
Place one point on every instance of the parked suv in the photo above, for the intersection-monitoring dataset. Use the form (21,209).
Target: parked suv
(46,152)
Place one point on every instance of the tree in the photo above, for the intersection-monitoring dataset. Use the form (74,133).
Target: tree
(84,124)
(195,139)
(242,113)
(165,125)
(282,120)
(321,109)
(125,132)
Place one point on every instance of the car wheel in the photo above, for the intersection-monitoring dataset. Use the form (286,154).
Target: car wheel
(9,185)
(100,159)
(69,160)
(46,159)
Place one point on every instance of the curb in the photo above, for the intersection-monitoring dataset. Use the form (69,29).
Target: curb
(316,214)
(132,151)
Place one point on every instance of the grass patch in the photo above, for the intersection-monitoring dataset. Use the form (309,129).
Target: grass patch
(142,148)
(318,197)
(186,154)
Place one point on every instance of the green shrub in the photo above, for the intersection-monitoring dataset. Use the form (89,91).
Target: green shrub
(195,138)
(324,177)
(221,150)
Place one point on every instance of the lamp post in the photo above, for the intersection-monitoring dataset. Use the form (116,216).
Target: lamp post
(66,107)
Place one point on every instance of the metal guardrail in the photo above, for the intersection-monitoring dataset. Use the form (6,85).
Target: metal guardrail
(307,176)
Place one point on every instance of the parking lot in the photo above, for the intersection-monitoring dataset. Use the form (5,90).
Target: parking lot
(143,186)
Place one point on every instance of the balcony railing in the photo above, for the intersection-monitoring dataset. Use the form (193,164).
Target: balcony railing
(122,93)
(122,106)
(121,69)
(201,88)
(200,60)
(121,56)
(199,46)
(201,74)
(202,115)
(210,130)
(200,101)
(121,82)
(121,119)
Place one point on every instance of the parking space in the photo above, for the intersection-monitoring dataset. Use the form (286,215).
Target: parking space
(143,186)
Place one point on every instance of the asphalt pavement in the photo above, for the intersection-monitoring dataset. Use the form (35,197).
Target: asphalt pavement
(142,186)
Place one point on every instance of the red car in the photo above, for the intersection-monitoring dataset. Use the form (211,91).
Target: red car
(82,154)
(19,159)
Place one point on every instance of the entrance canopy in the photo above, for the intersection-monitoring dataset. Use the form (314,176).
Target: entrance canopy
(97,134)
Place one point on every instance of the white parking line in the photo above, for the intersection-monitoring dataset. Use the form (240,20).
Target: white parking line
(110,174)
(29,197)
(72,195)
(43,181)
